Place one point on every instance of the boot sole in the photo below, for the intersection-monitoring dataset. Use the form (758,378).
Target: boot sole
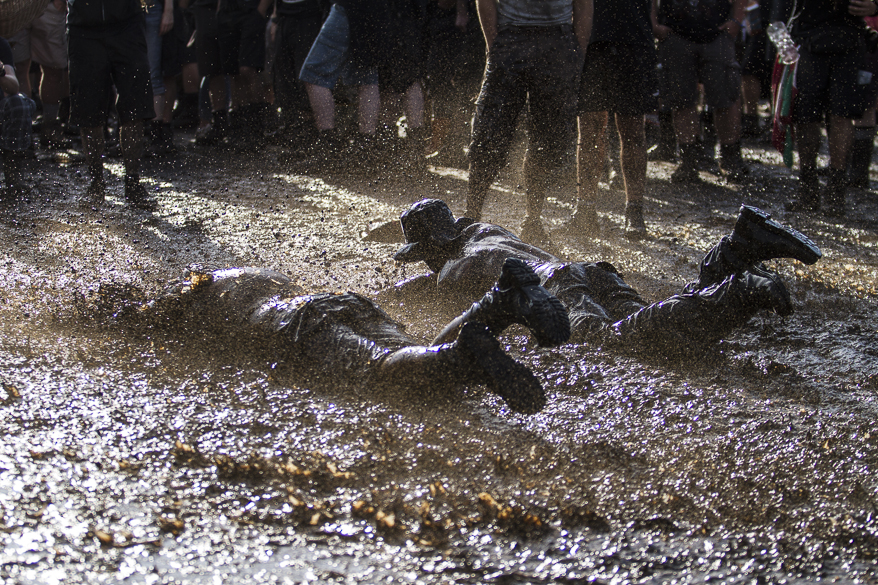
(800,246)
(505,377)
(542,313)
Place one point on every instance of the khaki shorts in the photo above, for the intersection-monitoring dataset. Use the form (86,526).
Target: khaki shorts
(43,41)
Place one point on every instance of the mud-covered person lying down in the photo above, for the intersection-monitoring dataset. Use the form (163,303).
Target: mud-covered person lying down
(345,339)
(733,284)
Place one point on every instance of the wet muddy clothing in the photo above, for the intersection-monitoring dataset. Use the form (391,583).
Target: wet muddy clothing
(536,67)
(340,335)
(600,304)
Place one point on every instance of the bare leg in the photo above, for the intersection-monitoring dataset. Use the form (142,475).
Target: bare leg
(633,138)
(591,153)
(322,105)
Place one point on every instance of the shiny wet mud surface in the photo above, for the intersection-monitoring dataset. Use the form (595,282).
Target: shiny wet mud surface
(134,455)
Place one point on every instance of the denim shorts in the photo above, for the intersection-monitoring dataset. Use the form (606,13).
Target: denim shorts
(329,58)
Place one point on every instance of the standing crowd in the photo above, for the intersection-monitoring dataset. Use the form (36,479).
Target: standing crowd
(330,82)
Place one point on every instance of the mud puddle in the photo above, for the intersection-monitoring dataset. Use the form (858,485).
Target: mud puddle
(144,457)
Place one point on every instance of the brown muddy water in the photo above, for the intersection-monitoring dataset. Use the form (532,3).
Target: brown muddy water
(138,456)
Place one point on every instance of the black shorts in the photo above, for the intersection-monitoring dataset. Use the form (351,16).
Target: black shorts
(241,38)
(620,79)
(833,84)
(403,65)
(206,41)
(99,62)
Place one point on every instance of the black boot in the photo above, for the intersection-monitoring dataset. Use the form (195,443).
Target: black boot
(757,238)
(136,194)
(808,197)
(732,163)
(666,149)
(635,226)
(835,194)
(687,172)
(519,298)
(691,320)
(475,357)
(14,175)
(861,157)
(217,132)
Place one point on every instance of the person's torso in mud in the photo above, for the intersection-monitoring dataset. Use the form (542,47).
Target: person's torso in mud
(483,247)
(265,307)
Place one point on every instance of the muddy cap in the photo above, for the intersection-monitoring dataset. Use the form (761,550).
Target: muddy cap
(428,226)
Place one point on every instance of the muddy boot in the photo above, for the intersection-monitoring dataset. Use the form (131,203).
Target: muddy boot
(861,157)
(757,238)
(519,298)
(94,195)
(163,140)
(585,221)
(750,126)
(13,175)
(666,149)
(136,194)
(732,163)
(216,133)
(687,172)
(635,226)
(475,357)
(835,194)
(808,197)
(702,317)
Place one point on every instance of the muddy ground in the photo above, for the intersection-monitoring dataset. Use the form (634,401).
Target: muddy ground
(141,457)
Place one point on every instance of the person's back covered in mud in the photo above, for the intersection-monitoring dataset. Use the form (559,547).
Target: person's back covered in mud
(732,286)
(345,339)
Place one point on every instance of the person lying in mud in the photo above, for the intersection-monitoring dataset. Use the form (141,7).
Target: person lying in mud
(732,285)
(344,338)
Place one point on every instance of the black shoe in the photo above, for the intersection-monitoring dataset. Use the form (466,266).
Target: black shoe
(532,232)
(635,227)
(512,381)
(520,298)
(137,196)
(768,290)
(757,238)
